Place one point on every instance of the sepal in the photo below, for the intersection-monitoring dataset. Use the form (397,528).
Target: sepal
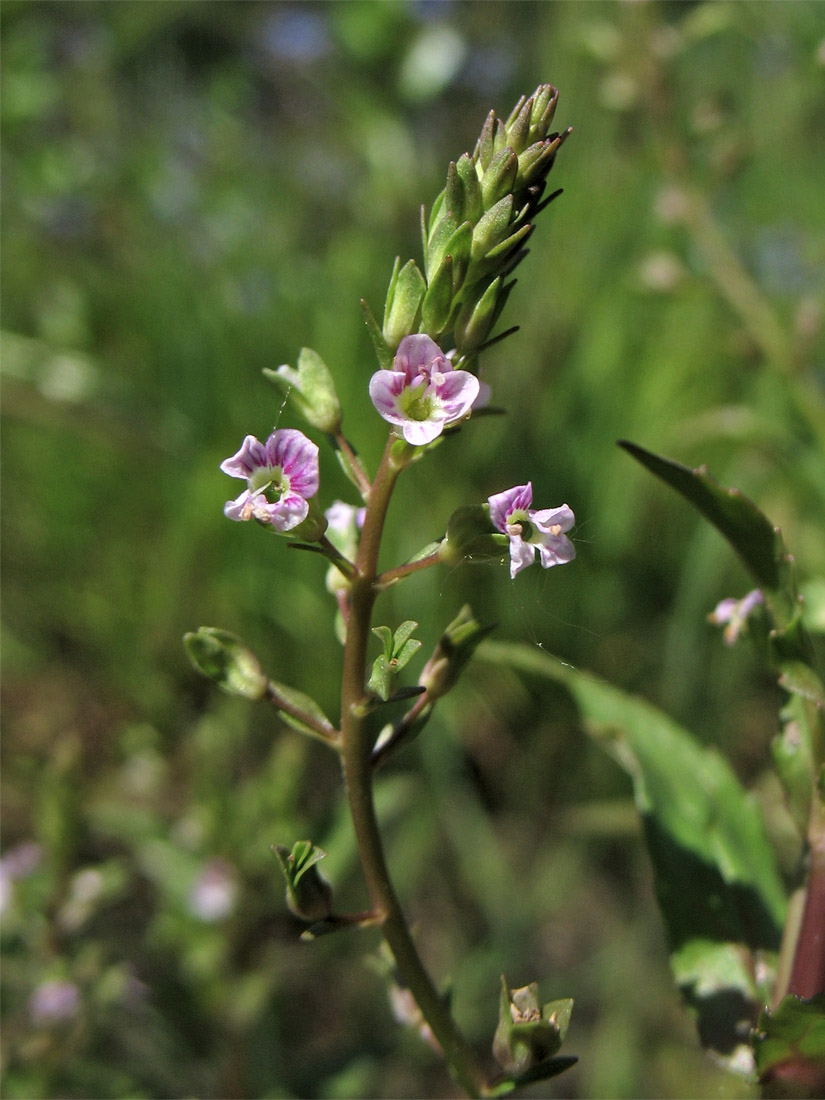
(402,310)
(399,649)
(470,537)
(311,390)
(528,1034)
(223,657)
(308,895)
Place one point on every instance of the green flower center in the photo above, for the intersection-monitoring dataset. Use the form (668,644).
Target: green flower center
(416,404)
(267,478)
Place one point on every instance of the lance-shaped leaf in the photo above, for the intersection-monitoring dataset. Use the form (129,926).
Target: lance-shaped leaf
(747,530)
(716,879)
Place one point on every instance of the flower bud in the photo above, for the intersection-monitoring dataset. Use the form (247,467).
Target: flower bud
(455,648)
(466,170)
(308,895)
(311,389)
(403,306)
(438,301)
(492,228)
(499,177)
(224,658)
(528,1034)
(475,321)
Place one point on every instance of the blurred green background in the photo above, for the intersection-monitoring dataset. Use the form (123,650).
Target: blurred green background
(193,191)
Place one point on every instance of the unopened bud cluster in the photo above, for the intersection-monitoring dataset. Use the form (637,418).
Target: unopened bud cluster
(477,230)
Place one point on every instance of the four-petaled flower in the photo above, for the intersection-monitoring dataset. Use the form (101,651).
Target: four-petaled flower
(281,475)
(529,530)
(423,393)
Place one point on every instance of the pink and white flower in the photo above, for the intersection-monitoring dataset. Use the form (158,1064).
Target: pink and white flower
(281,475)
(529,530)
(423,393)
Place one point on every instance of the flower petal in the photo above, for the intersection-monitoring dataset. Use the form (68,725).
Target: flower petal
(522,555)
(250,457)
(418,355)
(519,498)
(420,432)
(297,456)
(553,517)
(456,393)
(288,512)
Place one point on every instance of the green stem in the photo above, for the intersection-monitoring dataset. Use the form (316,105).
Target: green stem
(407,568)
(357,767)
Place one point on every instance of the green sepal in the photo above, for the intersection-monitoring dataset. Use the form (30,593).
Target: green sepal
(382,351)
(402,310)
(535,162)
(789,1045)
(399,649)
(308,895)
(311,389)
(528,1034)
(223,658)
(470,537)
(454,193)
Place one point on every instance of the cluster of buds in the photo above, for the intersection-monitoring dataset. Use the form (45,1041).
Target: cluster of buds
(476,233)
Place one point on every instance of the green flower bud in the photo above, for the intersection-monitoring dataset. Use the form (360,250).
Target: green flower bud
(308,895)
(403,306)
(528,1034)
(499,177)
(224,658)
(466,170)
(455,648)
(477,318)
(470,537)
(535,162)
(311,390)
(493,227)
(438,301)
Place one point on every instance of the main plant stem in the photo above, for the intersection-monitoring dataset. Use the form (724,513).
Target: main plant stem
(358,777)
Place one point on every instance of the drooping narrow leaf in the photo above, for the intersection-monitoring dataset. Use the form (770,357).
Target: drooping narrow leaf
(736,517)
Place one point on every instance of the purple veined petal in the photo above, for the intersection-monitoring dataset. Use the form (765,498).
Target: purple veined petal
(241,508)
(288,512)
(553,517)
(519,498)
(555,550)
(297,457)
(250,457)
(386,386)
(420,432)
(457,392)
(418,355)
(522,555)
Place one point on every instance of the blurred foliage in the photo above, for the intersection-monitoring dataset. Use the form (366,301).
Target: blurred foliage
(192,192)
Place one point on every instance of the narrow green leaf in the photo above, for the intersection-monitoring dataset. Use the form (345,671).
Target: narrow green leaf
(402,634)
(384,634)
(748,531)
(405,654)
(380,679)
(715,872)
(303,703)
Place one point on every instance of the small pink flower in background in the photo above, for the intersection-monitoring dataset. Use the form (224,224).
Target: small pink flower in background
(530,530)
(281,475)
(53,1002)
(423,393)
(215,892)
(733,614)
